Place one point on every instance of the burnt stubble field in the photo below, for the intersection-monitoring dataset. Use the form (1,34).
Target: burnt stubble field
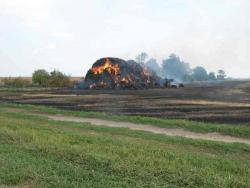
(222,102)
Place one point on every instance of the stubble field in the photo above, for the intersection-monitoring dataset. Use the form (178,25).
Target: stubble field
(220,102)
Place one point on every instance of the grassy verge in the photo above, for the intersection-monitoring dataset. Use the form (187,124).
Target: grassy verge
(38,152)
(233,130)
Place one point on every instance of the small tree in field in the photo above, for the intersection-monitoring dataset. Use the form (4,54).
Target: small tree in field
(221,75)
(59,79)
(173,67)
(54,79)
(41,77)
(200,74)
(211,76)
(141,58)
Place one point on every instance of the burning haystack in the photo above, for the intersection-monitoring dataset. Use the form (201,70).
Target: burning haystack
(111,73)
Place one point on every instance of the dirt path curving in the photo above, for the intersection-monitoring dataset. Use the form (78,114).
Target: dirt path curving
(142,127)
(153,129)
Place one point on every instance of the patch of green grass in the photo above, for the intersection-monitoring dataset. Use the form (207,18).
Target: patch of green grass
(40,152)
(233,130)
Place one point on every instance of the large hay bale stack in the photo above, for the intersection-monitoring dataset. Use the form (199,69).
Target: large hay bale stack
(111,73)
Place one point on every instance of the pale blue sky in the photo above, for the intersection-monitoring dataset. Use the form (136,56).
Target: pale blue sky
(70,35)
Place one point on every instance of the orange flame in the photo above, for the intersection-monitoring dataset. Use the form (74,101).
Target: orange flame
(146,71)
(107,66)
(126,79)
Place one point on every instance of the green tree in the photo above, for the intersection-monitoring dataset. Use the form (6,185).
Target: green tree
(174,68)
(200,74)
(211,76)
(59,79)
(41,77)
(141,58)
(221,75)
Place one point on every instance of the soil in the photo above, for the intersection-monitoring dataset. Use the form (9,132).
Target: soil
(221,102)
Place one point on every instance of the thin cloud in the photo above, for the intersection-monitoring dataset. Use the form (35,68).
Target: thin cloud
(71,35)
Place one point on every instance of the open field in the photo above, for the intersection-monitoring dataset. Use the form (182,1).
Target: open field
(74,78)
(221,102)
(124,94)
(122,138)
(187,127)
(36,151)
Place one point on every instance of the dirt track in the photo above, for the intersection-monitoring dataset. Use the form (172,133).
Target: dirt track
(142,127)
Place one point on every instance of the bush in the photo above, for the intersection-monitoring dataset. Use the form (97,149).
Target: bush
(211,76)
(16,82)
(221,75)
(200,74)
(54,79)
(58,79)
(41,77)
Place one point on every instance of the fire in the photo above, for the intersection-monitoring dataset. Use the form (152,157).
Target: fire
(126,80)
(107,66)
(114,73)
(146,71)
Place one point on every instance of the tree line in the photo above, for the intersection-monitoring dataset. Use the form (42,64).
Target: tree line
(40,78)
(53,79)
(174,68)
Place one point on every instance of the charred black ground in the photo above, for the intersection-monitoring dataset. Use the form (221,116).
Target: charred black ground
(222,102)
(112,73)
